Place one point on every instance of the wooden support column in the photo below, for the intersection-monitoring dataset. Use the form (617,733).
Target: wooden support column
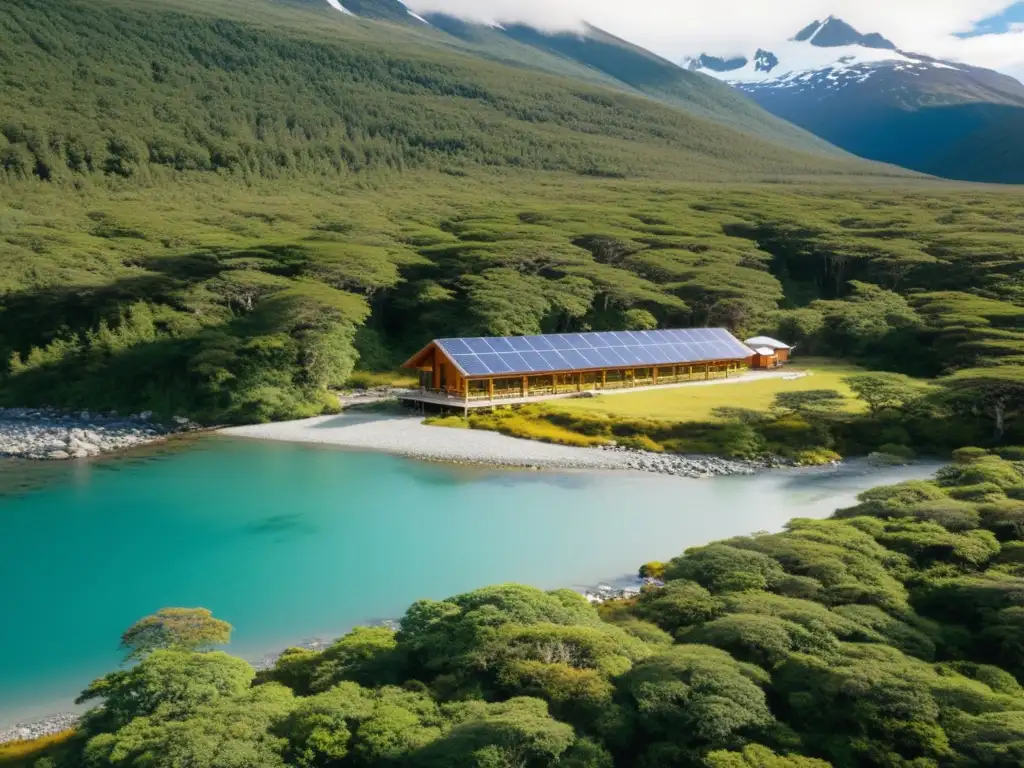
(524,388)
(579,383)
(604,379)
(490,389)
(707,371)
(654,375)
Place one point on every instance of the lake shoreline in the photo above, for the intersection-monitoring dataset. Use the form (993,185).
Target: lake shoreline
(47,434)
(333,505)
(409,437)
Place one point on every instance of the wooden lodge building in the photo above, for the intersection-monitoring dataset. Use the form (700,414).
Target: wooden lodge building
(481,372)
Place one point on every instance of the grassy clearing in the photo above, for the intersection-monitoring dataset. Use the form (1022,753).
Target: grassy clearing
(698,403)
(685,421)
(21,754)
(372,379)
(525,423)
(452,421)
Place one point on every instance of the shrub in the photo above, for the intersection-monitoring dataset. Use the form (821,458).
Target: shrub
(979,493)
(1011,452)
(967,455)
(794,431)
(1005,519)
(764,640)
(951,514)
(900,495)
(985,469)
(641,443)
(900,451)
(532,427)
(652,570)
(725,568)
(679,604)
(741,441)
(815,457)
(646,631)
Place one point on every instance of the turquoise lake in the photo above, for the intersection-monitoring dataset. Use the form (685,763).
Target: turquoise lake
(289,542)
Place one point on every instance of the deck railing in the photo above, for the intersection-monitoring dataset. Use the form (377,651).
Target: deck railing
(567,384)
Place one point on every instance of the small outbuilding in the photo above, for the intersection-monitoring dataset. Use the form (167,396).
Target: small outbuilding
(768,352)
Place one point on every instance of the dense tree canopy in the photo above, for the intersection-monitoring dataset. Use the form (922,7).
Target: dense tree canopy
(190,629)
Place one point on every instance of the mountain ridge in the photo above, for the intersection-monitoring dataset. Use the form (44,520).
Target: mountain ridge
(596,54)
(867,95)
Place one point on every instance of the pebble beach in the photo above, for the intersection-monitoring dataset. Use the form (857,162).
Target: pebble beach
(409,436)
(49,434)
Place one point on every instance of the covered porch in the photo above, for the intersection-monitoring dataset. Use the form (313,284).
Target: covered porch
(479,392)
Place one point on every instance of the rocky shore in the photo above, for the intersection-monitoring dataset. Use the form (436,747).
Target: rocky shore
(40,433)
(47,726)
(409,436)
(692,466)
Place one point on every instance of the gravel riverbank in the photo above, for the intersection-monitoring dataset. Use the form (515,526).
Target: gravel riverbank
(34,433)
(409,436)
(37,729)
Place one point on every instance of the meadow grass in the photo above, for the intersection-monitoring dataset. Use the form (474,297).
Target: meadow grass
(527,424)
(21,754)
(699,402)
(371,379)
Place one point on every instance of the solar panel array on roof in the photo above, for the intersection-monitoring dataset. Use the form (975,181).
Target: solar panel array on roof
(523,355)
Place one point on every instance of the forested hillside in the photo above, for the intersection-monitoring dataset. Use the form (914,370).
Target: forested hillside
(229,206)
(607,59)
(130,86)
(889,635)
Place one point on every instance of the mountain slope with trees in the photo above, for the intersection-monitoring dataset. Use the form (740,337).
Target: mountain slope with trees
(195,92)
(593,51)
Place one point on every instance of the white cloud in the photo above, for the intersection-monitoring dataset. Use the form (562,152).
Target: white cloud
(676,28)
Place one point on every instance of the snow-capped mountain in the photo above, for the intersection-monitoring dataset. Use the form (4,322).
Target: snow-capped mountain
(829,54)
(860,92)
(867,95)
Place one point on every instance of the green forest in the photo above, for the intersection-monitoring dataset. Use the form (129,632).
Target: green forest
(223,210)
(889,635)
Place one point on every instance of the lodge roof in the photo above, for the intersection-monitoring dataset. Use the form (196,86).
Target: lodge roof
(766,341)
(567,352)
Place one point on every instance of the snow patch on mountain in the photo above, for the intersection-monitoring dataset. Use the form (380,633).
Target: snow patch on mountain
(825,55)
(339,7)
(794,58)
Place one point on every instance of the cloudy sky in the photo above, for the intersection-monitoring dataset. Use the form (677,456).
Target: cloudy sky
(982,32)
